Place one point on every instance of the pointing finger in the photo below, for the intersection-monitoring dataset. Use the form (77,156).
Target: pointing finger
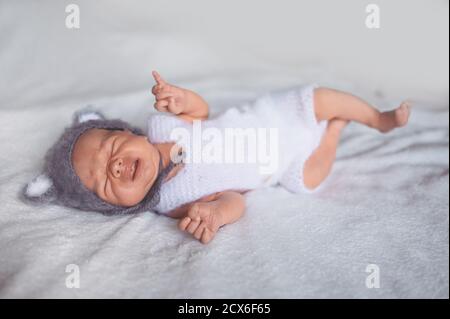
(158,78)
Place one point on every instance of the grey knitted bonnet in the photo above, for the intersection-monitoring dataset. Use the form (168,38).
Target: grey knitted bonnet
(59,183)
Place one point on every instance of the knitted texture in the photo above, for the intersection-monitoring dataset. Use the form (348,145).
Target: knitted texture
(198,179)
(291,112)
(61,185)
(303,100)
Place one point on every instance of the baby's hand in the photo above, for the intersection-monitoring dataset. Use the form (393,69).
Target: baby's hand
(169,98)
(203,220)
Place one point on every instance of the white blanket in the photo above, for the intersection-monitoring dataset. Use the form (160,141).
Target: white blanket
(385,204)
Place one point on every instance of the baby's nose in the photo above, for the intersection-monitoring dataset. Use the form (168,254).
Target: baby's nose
(116,167)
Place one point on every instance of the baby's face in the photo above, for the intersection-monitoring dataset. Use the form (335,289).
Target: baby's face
(119,166)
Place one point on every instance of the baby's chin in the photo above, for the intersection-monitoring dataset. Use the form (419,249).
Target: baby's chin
(129,202)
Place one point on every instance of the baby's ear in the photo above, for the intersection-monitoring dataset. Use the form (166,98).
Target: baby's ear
(41,189)
(86,114)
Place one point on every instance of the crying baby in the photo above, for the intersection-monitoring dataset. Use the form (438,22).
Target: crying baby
(196,168)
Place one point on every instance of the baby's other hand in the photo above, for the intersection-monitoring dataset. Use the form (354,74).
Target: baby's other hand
(169,98)
(202,221)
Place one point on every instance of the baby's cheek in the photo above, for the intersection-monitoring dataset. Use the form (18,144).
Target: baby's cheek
(130,195)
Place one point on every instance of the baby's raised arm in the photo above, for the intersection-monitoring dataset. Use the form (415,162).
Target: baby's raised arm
(184,103)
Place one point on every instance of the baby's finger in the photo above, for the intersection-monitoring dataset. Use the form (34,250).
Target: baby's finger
(184,223)
(206,236)
(162,105)
(163,95)
(158,78)
(200,229)
(192,227)
(173,108)
(155,89)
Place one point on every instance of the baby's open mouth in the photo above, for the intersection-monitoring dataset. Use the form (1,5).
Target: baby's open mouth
(134,169)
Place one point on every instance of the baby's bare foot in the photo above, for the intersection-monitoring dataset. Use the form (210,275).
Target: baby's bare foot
(395,118)
(203,220)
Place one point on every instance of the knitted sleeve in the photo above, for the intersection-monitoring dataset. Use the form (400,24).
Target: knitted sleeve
(161,125)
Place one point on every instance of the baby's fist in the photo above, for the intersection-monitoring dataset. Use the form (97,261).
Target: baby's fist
(169,98)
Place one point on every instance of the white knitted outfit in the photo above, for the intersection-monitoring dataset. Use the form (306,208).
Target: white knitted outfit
(289,112)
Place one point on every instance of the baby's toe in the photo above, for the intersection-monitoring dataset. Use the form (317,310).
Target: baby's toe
(402,114)
(406,106)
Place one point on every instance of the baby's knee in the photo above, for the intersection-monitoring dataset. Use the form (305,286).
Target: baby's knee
(321,110)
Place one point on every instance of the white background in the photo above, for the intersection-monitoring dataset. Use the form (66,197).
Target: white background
(120,42)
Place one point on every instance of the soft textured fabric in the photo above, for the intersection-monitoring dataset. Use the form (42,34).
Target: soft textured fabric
(280,125)
(386,203)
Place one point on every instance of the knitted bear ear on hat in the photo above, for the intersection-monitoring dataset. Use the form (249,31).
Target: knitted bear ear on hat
(40,190)
(86,114)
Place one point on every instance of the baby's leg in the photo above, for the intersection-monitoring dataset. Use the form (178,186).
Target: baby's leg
(319,164)
(331,104)
(203,219)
